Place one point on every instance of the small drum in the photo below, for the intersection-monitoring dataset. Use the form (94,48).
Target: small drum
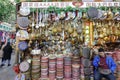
(67,78)
(60,59)
(44,59)
(52,75)
(44,70)
(75,70)
(76,78)
(52,60)
(60,70)
(52,67)
(37,71)
(35,62)
(67,67)
(36,57)
(60,74)
(59,62)
(59,78)
(35,77)
(67,71)
(67,63)
(44,65)
(24,66)
(44,76)
(76,60)
(60,66)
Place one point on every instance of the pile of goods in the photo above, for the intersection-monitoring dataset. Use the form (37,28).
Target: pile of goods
(53,37)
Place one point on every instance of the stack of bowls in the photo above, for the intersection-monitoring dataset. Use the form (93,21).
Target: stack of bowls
(75,60)
(75,72)
(52,68)
(82,76)
(67,68)
(27,75)
(87,68)
(35,67)
(44,67)
(59,68)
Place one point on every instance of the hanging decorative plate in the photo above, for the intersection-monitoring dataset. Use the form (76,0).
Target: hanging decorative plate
(22,35)
(22,45)
(24,66)
(23,22)
(24,11)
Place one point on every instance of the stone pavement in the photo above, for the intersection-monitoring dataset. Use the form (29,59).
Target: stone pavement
(7,73)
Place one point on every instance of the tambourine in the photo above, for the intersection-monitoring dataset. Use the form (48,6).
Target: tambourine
(24,66)
(22,34)
(22,45)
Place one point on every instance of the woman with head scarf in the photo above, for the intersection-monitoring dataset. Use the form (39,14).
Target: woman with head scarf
(7,51)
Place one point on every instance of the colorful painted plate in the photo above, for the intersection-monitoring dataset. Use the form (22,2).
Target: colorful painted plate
(22,34)
(24,11)
(24,66)
(23,22)
(22,45)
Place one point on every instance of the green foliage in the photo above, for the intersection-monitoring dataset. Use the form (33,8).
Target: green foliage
(6,10)
(69,8)
(17,1)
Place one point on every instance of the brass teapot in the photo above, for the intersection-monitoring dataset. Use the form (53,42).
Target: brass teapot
(70,29)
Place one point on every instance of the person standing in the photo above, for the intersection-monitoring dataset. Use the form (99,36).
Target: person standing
(104,66)
(7,51)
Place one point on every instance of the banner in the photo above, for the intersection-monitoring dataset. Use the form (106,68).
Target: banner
(5,26)
(72,4)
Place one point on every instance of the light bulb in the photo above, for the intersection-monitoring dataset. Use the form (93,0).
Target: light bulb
(37,26)
(33,24)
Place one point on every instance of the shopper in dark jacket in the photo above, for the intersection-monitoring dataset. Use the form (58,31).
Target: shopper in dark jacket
(104,66)
(7,51)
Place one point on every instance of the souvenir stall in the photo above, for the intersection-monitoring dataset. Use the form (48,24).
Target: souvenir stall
(50,34)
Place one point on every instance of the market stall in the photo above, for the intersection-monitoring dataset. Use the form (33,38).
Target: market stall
(50,34)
